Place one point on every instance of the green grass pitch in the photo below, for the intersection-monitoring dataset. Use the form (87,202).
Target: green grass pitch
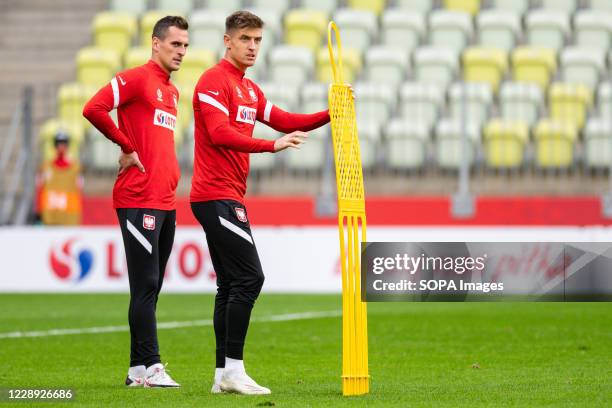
(421,354)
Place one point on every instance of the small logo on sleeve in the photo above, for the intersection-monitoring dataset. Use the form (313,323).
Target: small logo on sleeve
(164,119)
(148,222)
(241,214)
(246,114)
(121,80)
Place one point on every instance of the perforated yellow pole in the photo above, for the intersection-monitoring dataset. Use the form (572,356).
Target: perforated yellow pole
(351,226)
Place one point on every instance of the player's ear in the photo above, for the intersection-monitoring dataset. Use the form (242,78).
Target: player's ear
(226,41)
(155,44)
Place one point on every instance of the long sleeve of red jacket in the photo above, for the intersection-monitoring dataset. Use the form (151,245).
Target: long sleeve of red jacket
(98,107)
(287,122)
(214,115)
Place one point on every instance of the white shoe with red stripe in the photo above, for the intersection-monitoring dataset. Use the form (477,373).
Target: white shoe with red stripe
(136,375)
(157,376)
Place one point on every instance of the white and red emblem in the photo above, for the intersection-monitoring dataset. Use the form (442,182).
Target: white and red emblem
(148,222)
(241,214)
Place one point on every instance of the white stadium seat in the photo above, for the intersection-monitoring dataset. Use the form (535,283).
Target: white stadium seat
(450,135)
(291,64)
(206,29)
(406,143)
(450,29)
(521,101)
(421,102)
(470,99)
(357,28)
(582,66)
(499,29)
(547,28)
(436,65)
(386,64)
(593,29)
(401,28)
(374,101)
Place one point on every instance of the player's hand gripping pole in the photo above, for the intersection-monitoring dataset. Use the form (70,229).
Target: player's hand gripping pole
(351,221)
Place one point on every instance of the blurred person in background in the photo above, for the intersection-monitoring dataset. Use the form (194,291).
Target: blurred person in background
(59,185)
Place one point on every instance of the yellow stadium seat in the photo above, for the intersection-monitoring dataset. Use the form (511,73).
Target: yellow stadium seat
(570,102)
(375,6)
(534,64)
(468,6)
(96,66)
(148,20)
(351,65)
(195,62)
(71,99)
(485,64)
(305,28)
(137,56)
(505,143)
(184,111)
(52,127)
(555,143)
(114,30)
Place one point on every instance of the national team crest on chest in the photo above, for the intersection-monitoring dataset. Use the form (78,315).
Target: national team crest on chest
(148,222)
(241,214)
(159,95)
(253,95)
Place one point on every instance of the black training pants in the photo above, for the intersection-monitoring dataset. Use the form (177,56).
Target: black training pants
(238,269)
(148,236)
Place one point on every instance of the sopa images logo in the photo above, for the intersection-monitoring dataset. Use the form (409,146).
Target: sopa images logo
(70,262)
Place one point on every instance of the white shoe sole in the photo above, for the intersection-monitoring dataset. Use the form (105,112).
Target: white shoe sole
(229,386)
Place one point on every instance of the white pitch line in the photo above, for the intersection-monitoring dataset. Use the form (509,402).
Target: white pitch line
(164,325)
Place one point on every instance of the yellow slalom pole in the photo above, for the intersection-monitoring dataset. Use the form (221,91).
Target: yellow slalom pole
(351,216)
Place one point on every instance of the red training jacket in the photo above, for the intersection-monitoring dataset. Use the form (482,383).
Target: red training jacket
(226,106)
(146,102)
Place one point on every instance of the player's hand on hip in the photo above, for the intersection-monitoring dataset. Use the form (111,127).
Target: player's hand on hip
(293,139)
(128,160)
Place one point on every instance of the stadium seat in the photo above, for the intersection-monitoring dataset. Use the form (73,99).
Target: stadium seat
(357,27)
(386,64)
(102,153)
(311,154)
(278,6)
(406,143)
(570,103)
(521,101)
(148,20)
(450,29)
(114,30)
(598,143)
(555,142)
(374,101)
(567,6)
(470,100)
(184,114)
(449,142)
(195,62)
(486,65)
(285,96)
(593,29)
(314,97)
(468,6)
(228,6)
(327,6)
(534,64)
(601,5)
(421,102)
(137,56)
(134,7)
(422,7)
(351,64)
(401,28)
(96,66)
(71,99)
(435,65)
(582,66)
(504,143)
(518,6)
(263,161)
(206,29)
(50,128)
(499,29)
(184,7)
(547,28)
(305,28)
(369,134)
(374,6)
(291,64)
(604,100)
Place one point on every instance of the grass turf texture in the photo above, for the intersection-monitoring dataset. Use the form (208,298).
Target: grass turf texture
(421,354)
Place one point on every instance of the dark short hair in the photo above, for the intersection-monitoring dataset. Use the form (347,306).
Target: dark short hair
(161,27)
(242,19)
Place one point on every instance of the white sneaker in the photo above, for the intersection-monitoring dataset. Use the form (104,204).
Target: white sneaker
(136,375)
(158,377)
(216,389)
(239,382)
